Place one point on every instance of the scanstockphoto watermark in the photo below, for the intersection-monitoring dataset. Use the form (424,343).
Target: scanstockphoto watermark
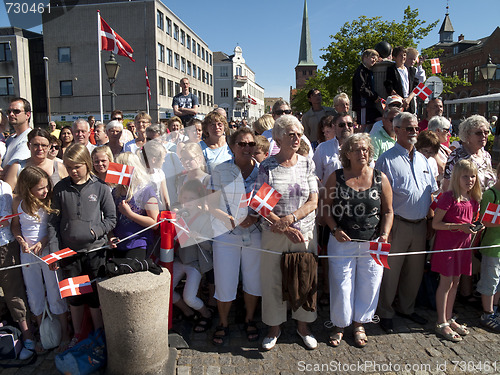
(370,366)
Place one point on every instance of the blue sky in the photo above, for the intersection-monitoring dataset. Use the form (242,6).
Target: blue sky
(269,31)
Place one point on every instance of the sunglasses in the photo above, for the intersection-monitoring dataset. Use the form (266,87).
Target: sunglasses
(411,129)
(249,144)
(14,111)
(54,147)
(280,112)
(482,133)
(117,118)
(344,124)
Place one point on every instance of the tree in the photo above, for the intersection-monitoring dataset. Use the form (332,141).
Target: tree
(300,102)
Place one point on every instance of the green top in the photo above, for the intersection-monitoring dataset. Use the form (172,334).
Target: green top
(381,142)
(491,235)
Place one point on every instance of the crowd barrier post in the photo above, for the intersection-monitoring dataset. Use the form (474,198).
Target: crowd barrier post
(167,233)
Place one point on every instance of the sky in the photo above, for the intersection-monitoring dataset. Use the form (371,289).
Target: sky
(268,32)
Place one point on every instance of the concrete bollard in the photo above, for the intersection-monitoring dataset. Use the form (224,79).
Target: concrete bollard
(135,313)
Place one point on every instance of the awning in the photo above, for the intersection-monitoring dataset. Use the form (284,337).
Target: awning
(475,99)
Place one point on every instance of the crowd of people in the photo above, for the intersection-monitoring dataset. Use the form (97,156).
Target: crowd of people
(341,189)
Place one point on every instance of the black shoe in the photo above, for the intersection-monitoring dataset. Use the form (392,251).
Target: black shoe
(386,325)
(414,317)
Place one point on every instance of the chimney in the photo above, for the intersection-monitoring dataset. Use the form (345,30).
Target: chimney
(461,37)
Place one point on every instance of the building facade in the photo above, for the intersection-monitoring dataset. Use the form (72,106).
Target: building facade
(162,42)
(235,88)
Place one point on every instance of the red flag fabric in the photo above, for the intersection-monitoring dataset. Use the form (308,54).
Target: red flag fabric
(58,255)
(111,41)
(245,199)
(7,217)
(492,214)
(181,235)
(434,203)
(436,66)
(252,100)
(422,91)
(264,201)
(147,82)
(75,286)
(383,103)
(119,174)
(379,251)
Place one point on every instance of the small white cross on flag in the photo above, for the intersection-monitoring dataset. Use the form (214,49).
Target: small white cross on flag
(422,91)
(436,66)
(58,255)
(111,41)
(75,286)
(181,234)
(245,199)
(7,217)
(264,201)
(119,174)
(434,203)
(379,251)
(492,213)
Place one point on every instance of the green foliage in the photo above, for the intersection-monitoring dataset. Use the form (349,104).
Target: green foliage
(300,102)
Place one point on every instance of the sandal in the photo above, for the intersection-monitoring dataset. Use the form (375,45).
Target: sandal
(360,338)
(461,329)
(220,339)
(252,331)
(451,336)
(336,336)
(202,324)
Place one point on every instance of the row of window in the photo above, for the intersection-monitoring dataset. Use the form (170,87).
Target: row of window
(185,66)
(165,24)
(477,74)
(166,88)
(5,52)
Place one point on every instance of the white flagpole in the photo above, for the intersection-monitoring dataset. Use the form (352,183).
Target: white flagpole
(147,91)
(100,63)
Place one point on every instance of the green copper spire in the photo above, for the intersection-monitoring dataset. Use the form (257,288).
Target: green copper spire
(305,52)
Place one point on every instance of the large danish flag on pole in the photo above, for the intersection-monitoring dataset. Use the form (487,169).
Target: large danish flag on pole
(111,41)
(436,66)
(379,251)
(492,214)
(58,255)
(422,91)
(119,174)
(75,286)
(264,201)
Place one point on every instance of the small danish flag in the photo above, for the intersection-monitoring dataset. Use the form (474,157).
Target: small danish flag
(75,286)
(383,103)
(58,255)
(379,251)
(264,201)
(422,91)
(492,213)
(181,234)
(245,199)
(434,203)
(7,217)
(119,174)
(436,66)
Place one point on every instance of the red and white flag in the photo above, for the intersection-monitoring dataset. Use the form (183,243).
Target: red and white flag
(492,214)
(252,100)
(436,66)
(7,217)
(434,203)
(111,41)
(379,251)
(245,199)
(422,91)
(181,235)
(383,103)
(58,255)
(264,201)
(119,174)
(75,286)
(147,82)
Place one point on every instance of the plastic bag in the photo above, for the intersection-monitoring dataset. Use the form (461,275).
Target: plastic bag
(50,330)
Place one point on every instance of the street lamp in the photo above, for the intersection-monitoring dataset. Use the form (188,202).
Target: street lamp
(112,68)
(488,71)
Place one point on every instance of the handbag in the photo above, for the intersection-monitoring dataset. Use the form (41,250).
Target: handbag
(10,342)
(50,330)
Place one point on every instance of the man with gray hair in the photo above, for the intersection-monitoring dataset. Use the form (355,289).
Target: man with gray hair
(385,137)
(81,133)
(412,184)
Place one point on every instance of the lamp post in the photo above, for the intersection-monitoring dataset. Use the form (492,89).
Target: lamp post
(112,68)
(488,71)
(47,91)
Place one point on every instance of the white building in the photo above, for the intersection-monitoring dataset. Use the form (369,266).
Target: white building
(235,88)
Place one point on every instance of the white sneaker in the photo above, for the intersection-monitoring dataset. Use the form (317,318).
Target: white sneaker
(309,340)
(269,342)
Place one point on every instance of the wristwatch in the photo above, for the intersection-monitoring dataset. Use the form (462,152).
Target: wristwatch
(334,230)
(294,218)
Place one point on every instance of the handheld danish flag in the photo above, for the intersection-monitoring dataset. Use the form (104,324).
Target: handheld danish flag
(111,41)
(181,234)
(245,199)
(75,286)
(7,217)
(434,203)
(436,66)
(379,251)
(119,174)
(252,100)
(383,103)
(422,91)
(492,213)
(58,255)
(264,201)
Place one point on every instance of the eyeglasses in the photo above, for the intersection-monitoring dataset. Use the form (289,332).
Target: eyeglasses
(249,144)
(39,145)
(445,130)
(117,118)
(292,135)
(280,112)
(411,129)
(54,147)
(484,133)
(14,111)
(344,124)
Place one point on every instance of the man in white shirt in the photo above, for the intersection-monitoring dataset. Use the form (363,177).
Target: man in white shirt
(81,133)
(19,115)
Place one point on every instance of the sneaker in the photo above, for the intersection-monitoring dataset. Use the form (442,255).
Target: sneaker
(491,321)
(25,354)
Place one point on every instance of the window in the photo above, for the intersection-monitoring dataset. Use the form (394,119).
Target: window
(183,37)
(497,74)
(188,42)
(64,54)
(177,87)
(161,53)
(477,72)
(194,70)
(304,72)
(453,109)
(161,86)
(203,75)
(211,82)
(183,65)
(176,32)
(223,71)
(170,88)
(176,61)
(210,57)
(169,57)
(198,49)
(203,53)
(194,46)
(455,74)
(6,86)
(189,68)
(464,108)
(66,88)
(169,26)
(224,92)
(159,19)
(199,73)
(238,71)
(5,52)
(204,99)
(466,75)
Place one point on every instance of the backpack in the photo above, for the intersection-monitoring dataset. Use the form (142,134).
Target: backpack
(10,342)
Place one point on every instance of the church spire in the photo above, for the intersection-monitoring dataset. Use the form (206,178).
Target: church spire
(305,52)
(446,31)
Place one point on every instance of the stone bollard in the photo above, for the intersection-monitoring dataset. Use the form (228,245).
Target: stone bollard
(135,313)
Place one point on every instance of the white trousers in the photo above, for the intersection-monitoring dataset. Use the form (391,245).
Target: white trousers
(354,283)
(193,279)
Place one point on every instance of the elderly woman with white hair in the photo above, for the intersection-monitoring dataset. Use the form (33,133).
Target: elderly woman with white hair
(114,131)
(292,229)
(441,126)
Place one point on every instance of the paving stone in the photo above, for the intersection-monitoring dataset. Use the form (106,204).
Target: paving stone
(227,370)
(183,370)
(213,370)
